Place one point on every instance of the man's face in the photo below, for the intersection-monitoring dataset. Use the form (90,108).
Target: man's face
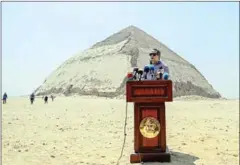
(154,58)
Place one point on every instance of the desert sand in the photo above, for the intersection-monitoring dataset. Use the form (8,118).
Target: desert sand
(89,131)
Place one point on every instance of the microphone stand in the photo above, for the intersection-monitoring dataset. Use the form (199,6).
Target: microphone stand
(135,70)
(160,76)
(161,73)
(140,77)
(135,75)
(145,76)
(152,74)
(140,72)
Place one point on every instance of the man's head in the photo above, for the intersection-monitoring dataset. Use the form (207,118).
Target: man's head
(155,56)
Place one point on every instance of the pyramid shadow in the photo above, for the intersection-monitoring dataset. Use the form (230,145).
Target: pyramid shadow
(177,158)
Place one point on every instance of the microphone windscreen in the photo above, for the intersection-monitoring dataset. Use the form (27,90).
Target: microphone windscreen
(146,68)
(165,76)
(140,71)
(135,69)
(151,67)
(129,75)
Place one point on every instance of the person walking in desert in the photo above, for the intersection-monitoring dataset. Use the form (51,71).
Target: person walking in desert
(32,98)
(46,99)
(52,97)
(5,98)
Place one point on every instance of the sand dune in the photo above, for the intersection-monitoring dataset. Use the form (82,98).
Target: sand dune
(88,131)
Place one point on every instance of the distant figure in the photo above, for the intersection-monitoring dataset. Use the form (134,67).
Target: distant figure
(5,98)
(46,99)
(32,98)
(52,97)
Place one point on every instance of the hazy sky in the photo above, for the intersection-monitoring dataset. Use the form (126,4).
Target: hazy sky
(38,37)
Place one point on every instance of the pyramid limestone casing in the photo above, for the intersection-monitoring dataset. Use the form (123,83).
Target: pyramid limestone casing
(101,70)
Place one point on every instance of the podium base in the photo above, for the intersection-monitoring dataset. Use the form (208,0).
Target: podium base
(151,157)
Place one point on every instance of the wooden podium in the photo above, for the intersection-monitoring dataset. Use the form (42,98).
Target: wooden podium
(149,99)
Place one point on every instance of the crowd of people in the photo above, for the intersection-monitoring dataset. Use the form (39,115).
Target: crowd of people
(45,98)
(32,98)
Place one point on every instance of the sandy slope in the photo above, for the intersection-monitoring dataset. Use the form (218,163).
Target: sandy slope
(87,131)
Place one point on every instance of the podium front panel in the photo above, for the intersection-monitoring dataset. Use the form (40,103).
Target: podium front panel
(149,91)
(155,114)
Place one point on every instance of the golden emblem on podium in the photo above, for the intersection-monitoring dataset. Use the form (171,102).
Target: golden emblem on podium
(149,127)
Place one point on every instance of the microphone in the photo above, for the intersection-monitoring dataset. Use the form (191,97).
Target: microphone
(151,68)
(161,72)
(129,75)
(135,71)
(140,72)
(165,76)
(146,70)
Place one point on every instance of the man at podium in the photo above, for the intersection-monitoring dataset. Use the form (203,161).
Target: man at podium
(161,70)
(149,99)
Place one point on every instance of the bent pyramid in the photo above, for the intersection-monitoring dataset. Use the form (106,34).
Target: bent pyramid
(101,70)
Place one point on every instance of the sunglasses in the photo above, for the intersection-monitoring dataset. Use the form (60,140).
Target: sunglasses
(153,54)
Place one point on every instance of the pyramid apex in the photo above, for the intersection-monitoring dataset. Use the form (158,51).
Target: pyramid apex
(124,34)
(132,27)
